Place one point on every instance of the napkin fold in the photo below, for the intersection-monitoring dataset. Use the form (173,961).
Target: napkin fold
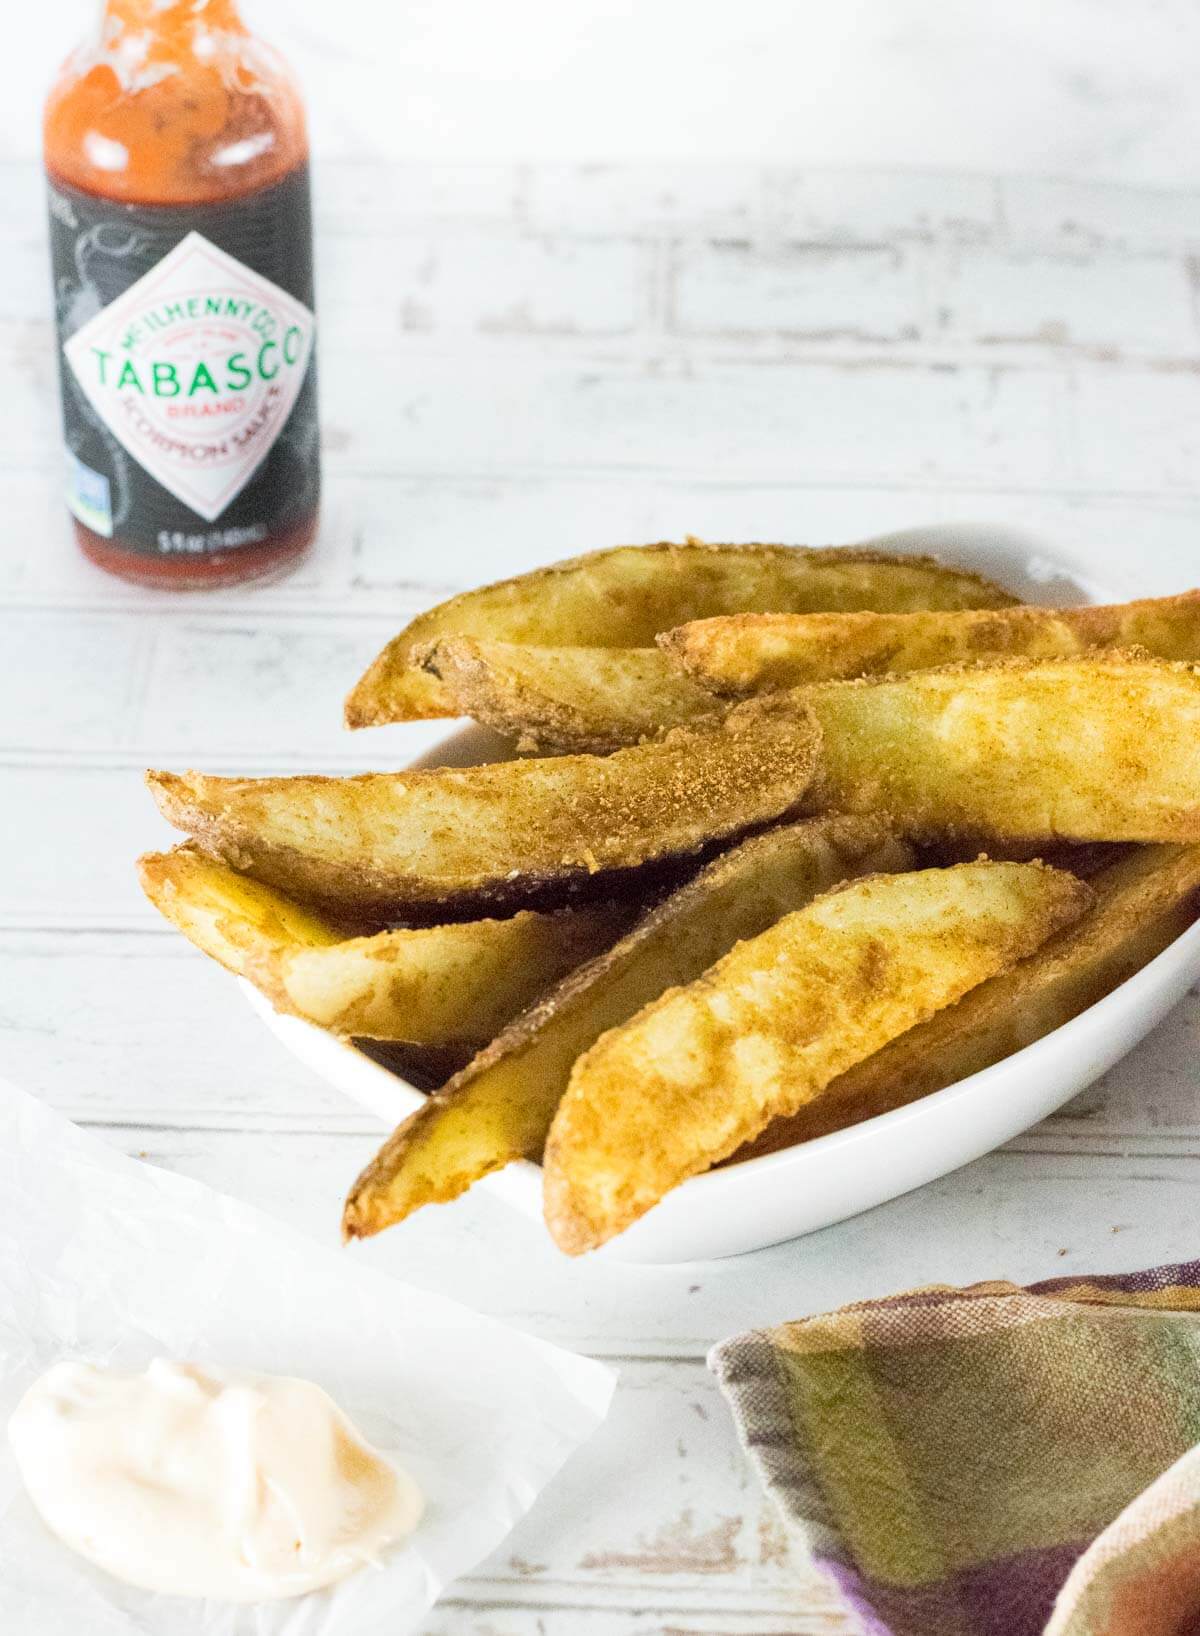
(990,1461)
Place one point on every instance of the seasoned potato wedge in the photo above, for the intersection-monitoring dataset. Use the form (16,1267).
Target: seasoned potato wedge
(622,598)
(1103,748)
(752,653)
(438,986)
(500,1107)
(706,1067)
(1144,901)
(567,699)
(508,833)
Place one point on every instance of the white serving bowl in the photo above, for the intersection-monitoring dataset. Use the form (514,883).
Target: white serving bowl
(782,1195)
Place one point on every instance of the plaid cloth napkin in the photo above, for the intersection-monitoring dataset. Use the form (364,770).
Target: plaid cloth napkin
(991,1461)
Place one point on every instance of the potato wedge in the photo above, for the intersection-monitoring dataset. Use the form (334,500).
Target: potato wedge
(622,598)
(567,699)
(706,1067)
(1144,901)
(752,653)
(439,986)
(1103,748)
(500,1107)
(515,832)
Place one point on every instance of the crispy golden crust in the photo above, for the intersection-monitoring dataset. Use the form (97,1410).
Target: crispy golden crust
(1144,901)
(460,839)
(740,654)
(1103,748)
(706,1067)
(623,597)
(500,1108)
(226,915)
(438,986)
(566,699)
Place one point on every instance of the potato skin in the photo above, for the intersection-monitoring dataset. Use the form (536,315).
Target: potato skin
(747,653)
(568,699)
(461,842)
(624,596)
(707,1066)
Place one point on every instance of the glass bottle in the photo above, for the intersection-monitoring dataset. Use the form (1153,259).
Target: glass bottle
(181,241)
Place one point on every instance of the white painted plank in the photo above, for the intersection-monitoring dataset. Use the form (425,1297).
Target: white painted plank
(1119,303)
(968,425)
(866,205)
(467,281)
(222,689)
(947,419)
(369,198)
(124,1028)
(813,420)
(71,837)
(641,199)
(1159,419)
(475,528)
(505,403)
(392,544)
(562,251)
(67,682)
(803,1616)
(801,292)
(1019,1215)
(805,1613)
(816,420)
(1076,214)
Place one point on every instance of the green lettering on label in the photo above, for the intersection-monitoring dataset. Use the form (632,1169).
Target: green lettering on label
(202,379)
(129,377)
(166,381)
(238,375)
(265,373)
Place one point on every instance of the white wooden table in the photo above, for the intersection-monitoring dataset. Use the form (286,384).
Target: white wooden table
(518,364)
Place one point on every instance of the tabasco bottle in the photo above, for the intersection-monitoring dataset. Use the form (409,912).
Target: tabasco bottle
(181,242)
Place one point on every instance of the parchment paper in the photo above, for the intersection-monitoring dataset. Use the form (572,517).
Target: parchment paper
(109,1259)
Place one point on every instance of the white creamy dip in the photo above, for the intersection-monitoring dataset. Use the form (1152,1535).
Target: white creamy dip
(207,1482)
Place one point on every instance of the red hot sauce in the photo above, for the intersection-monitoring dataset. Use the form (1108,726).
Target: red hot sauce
(181,244)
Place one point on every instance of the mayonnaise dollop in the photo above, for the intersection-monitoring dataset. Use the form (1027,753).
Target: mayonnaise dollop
(207,1482)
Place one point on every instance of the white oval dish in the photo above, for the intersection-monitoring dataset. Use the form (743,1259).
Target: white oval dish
(783,1195)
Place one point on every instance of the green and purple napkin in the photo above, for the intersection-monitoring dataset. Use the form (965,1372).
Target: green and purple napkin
(991,1461)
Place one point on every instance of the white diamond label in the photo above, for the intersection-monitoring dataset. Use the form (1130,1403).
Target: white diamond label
(195,370)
